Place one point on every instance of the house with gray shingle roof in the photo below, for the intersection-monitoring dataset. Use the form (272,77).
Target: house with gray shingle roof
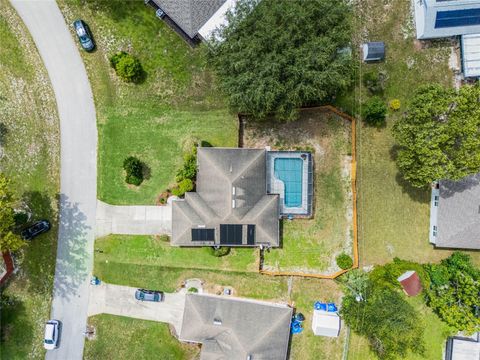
(195,19)
(231,206)
(236,329)
(455,213)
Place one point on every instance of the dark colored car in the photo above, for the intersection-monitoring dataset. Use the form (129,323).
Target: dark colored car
(149,295)
(84,35)
(36,229)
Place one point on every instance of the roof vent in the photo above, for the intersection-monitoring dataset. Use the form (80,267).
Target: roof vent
(217,321)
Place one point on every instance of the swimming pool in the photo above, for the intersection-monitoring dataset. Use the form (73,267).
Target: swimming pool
(290,172)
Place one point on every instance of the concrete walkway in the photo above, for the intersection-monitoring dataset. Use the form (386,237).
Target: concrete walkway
(133,220)
(120,300)
(78,170)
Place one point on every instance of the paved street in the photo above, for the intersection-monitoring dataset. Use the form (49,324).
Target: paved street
(78,170)
(133,220)
(120,300)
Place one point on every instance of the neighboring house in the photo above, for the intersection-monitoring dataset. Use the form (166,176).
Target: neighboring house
(231,205)
(6,267)
(455,213)
(445,18)
(463,348)
(195,20)
(240,196)
(236,329)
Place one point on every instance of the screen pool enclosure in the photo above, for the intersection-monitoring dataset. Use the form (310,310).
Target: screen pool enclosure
(290,174)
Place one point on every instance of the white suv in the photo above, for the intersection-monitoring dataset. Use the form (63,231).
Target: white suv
(50,341)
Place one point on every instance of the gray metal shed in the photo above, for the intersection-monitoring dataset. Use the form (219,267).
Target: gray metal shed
(373,51)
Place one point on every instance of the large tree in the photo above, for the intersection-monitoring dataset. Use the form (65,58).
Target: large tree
(439,137)
(8,240)
(277,55)
(455,291)
(392,326)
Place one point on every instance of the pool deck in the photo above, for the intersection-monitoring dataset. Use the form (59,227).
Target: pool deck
(276,186)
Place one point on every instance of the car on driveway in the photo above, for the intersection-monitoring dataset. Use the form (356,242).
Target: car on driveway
(36,229)
(149,295)
(84,35)
(50,339)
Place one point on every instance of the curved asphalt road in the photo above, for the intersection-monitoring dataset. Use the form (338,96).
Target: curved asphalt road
(78,170)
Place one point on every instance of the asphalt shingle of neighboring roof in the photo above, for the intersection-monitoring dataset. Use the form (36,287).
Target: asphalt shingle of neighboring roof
(190,15)
(458,218)
(219,171)
(243,327)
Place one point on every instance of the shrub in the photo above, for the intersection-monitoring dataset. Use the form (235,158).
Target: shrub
(344,261)
(189,167)
(192,290)
(134,170)
(219,252)
(374,111)
(182,187)
(394,104)
(20,218)
(127,66)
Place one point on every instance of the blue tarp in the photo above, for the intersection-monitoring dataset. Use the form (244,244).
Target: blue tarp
(330,307)
(296,327)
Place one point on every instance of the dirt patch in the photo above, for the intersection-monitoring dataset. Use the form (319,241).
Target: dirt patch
(311,245)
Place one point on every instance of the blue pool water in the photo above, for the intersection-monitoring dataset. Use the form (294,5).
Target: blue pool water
(290,171)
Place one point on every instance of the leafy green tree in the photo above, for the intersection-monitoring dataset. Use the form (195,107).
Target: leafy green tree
(127,66)
(8,240)
(392,326)
(455,292)
(275,56)
(374,111)
(134,169)
(439,137)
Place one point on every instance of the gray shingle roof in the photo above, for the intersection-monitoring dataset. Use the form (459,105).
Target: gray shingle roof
(190,15)
(458,218)
(242,327)
(222,171)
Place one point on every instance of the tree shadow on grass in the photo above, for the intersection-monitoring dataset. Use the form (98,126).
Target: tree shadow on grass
(14,319)
(146,171)
(421,195)
(3,133)
(39,256)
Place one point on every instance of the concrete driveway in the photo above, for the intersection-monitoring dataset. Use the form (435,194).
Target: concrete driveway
(133,220)
(78,170)
(120,300)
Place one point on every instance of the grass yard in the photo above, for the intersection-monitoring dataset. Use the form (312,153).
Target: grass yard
(141,339)
(307,346)
(29,156)
(158,119)
(310,245)
(393,217)
(156,251)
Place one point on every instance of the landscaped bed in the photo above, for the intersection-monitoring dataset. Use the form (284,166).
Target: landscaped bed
(29,150)
(158,119)
(311,245)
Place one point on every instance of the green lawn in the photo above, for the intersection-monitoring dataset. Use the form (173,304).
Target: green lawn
(393,217)
(156,251)
(124,338)
(310,245)
(307,346)
(154,120)
(29,137)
